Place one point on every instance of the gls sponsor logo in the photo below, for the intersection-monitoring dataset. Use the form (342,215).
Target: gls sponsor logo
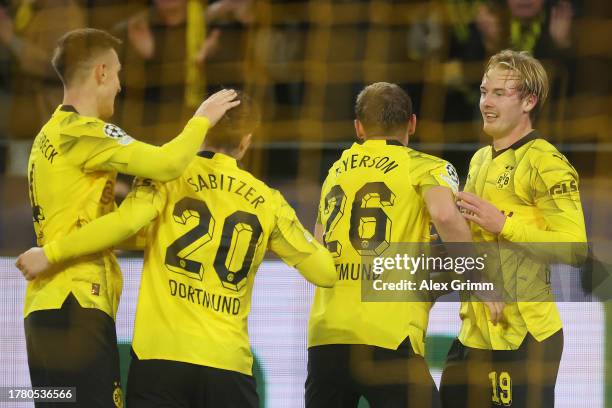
(563,187)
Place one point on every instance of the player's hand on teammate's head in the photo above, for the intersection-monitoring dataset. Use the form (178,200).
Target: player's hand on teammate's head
(217,104)
(32,263)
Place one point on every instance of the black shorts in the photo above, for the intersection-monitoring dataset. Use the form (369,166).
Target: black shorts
(75,347)
(339,374)
(522,378)
(165,383)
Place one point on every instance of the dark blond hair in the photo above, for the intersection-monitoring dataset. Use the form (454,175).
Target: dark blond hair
(77,48)
(235,124)
(383,109)
(532,78)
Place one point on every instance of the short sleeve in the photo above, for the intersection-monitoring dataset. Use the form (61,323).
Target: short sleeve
(436,173)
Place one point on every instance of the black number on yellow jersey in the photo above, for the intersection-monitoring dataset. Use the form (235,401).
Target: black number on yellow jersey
(363,214)
(183,210)
(236,228)
(366,216)
(337,197)
(237,225)
(37,211)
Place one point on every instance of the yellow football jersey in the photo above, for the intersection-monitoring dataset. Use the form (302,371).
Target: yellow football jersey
(537,188)
(214,225)
(71,172)
(384,182)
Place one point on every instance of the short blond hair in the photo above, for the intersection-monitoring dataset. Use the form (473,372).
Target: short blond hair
(384,109)
(532,77)
(78,47)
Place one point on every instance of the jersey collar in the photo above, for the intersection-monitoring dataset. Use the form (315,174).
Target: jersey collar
(380,142)
(533,135)
(68,108)
(207,154)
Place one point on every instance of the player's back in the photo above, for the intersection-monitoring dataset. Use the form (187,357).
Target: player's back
(215,223)
(66,194)
(372,198)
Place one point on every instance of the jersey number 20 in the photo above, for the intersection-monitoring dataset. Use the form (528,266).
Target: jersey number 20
(236,227)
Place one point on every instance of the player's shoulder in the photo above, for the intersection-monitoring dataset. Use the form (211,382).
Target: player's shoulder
(418,158)
(75,126)
(338,165)
(544,155)
(481,154)
(273,197)
(420,162)
(541,148)
(423,166)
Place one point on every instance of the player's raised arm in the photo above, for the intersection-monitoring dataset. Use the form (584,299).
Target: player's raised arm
(98,146)
(139,208)
(170,160)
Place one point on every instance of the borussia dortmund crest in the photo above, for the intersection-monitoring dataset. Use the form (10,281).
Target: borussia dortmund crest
(503,180)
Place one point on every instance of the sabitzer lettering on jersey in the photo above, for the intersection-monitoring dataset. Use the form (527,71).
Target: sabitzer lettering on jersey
(218,303)
(227,183)
(384,163)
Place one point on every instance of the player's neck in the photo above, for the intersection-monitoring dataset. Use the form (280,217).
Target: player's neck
(505,141)
(82,101)
(402,140)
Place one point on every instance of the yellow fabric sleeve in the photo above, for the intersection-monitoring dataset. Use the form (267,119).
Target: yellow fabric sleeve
(556,196)
(319,268)
(139,208)
(167,162)
(93,150)
(435,173)
(298,248)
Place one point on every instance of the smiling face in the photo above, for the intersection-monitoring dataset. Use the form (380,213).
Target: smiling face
(502,106)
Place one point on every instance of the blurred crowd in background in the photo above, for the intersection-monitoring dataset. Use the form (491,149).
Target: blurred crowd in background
(305,62)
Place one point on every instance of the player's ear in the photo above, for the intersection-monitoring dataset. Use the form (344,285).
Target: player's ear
(529,102)
(359,130)
(100,73)
(412,125)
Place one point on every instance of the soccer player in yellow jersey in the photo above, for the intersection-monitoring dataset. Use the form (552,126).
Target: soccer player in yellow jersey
(69,311)
(520,189)
(379,192)
(212,228)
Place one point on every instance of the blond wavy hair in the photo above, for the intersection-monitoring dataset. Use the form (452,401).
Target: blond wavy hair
(531,75)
